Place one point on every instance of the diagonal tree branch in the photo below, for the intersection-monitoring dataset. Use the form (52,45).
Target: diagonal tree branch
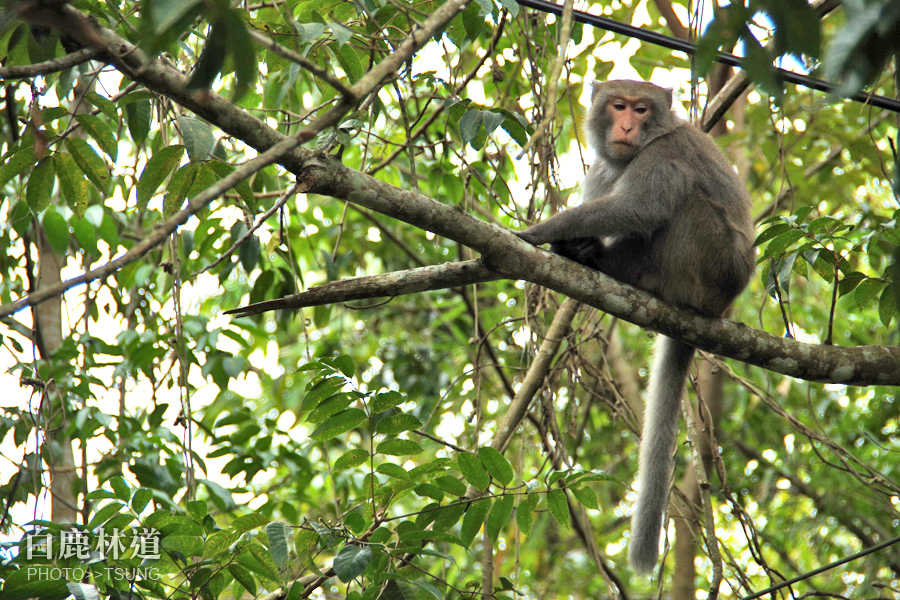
(507,254)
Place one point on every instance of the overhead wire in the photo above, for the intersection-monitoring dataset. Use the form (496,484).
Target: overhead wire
(667,41)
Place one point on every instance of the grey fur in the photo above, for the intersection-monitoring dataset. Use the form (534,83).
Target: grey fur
(671,218)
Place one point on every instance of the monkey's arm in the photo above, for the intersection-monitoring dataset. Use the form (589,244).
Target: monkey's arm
(641,201)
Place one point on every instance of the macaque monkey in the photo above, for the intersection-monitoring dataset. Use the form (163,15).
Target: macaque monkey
(663,211)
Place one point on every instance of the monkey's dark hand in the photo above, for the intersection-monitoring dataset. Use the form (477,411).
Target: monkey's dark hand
(586,251)
(529,237)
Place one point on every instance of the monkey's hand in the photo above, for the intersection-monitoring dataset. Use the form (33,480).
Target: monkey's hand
(529,237)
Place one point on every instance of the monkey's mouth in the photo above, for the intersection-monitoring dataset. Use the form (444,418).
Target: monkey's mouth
(623,146)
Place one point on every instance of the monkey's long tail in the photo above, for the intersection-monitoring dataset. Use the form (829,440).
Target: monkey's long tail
(671,361)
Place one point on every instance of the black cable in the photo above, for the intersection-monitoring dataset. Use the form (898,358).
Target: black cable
(672,43)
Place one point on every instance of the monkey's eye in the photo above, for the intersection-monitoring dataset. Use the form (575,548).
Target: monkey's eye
(618,105)
(641,110)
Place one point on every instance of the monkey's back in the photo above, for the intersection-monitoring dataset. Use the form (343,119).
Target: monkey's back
(704,252)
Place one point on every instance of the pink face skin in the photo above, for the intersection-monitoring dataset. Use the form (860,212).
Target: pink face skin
(628,115)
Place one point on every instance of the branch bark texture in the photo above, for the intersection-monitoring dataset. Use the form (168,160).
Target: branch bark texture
(509,256)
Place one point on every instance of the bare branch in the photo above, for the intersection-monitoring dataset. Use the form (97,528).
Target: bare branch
(389,285)
(54,65)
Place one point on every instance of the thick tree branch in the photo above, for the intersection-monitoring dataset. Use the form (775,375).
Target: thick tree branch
(54,65)
(510,256)
(398,283)
(163,78)
(515,259)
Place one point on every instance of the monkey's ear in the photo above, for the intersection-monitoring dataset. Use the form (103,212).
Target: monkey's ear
(667,94)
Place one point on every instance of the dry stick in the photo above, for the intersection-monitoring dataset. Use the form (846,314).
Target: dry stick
(160,233)
(518,408)
(163,78)
(440,109)
(712,542)
(326,76)
(565,32)
(259,223)
(397,283)
(513,258)
(54,65)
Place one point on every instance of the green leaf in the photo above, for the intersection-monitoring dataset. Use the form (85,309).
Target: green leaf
(39,190)
(186,544)
(491,120)
(57,231)
(342,33)
(243,576)
(138,115)
(198,138)
(773,231)
(120,488)
(499,517)
(559,507)
(90,163)
(106,106)
(429,490)
(22,585)
(586,495)
(219,543)
(83,591)
(866,290)
(72,184)
(398,448)
(350,63)
(427,587)
(473,520)
(212,57)
(392,470)
(246,523)
(106,512)
(350,459)
(781,243)
(496,465)
(351,562)
(418,535)
(525,512)
(448,516)
(279,534)
(385,400)
(320,392)
(177,190)
(167,13)
(470,125)
(16,164)
(451,485)
(342,363)
(393,590)
(473,471)
(355,522)
(141,498)
(161,165)
(397,424)
(259,561)
(338,424)
(97,128)
(330,406)
(887,304)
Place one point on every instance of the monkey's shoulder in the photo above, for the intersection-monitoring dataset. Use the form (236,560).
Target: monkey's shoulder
(687,149)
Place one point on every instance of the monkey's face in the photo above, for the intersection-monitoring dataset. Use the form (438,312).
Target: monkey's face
(628,117)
